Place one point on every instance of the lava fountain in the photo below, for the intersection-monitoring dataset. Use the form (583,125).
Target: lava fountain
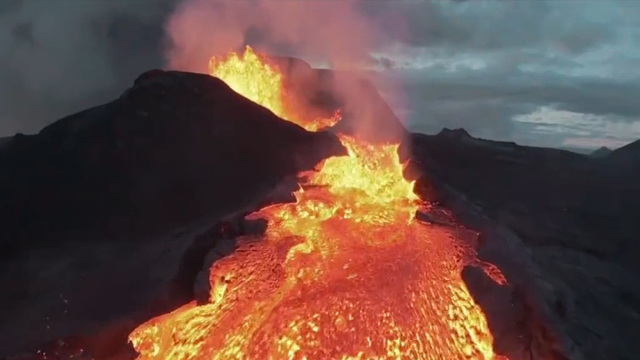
(259,79)
(346,272)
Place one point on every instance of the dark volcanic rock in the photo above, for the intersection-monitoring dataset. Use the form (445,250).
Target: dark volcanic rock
(171,148)
(4,141)
(107,214)
(100,206)
(554,196)
(629,152)
(577,216)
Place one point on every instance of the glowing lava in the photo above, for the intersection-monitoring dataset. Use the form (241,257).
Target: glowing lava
(260,80)
(346,272)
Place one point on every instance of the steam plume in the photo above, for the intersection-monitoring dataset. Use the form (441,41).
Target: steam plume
(333,31)
(325,32)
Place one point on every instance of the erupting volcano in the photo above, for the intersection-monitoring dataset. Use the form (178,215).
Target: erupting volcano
(345,272)
(260,80)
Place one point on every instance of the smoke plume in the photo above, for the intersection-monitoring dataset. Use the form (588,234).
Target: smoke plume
(65,56)
(337,33)
(334,31)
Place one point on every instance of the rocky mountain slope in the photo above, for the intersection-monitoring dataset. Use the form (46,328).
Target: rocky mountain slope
(628,154)
(156,156)
(108,214)
(577,216)
(98,208)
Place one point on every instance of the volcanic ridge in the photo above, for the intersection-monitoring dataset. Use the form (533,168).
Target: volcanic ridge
(252,215)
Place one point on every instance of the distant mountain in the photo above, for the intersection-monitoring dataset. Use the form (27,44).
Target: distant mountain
(601,152)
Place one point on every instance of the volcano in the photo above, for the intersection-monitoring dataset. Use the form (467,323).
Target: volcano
(344,272)
(316,238)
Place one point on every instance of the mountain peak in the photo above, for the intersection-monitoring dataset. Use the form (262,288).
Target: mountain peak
(459,132)
(601,152)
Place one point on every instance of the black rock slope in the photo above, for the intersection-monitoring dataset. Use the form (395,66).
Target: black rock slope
(98,208)
(171,148)
(577,215)
(107,215)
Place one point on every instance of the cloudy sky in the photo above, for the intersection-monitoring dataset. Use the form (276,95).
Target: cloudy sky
(549,73)
(561,73)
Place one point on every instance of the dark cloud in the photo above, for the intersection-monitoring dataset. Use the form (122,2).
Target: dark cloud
(9,5)
(491,24)
(63,56)
(23,33)
(600,98)
(481,64)
(484,119)
(486,106)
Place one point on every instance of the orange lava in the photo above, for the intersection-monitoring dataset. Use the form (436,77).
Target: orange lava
(260,80)
(346,272)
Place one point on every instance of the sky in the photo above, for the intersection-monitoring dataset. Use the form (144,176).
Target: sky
(561,73)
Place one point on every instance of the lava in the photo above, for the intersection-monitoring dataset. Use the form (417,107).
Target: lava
(261,80)
(346,272)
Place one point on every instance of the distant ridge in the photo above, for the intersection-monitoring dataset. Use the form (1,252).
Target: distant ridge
(601,152)
(459,132)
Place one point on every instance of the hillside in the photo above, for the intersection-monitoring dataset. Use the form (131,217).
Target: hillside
(173,147)
(114,214)
(629,153)
(577,217)
(95,205)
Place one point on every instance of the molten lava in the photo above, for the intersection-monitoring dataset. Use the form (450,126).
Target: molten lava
(261,80)
(346,272)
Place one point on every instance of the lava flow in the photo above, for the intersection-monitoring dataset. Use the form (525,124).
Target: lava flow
(346,272)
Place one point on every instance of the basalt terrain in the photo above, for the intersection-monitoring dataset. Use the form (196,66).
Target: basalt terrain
(575,215)
(117,214)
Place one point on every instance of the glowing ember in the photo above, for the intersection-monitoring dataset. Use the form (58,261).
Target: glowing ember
(260,80)
(344,273)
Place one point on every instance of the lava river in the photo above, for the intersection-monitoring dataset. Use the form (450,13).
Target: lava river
(345,272)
